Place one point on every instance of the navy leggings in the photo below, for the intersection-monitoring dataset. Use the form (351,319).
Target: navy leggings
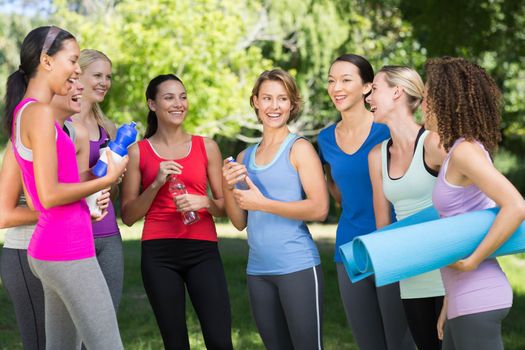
(169,267)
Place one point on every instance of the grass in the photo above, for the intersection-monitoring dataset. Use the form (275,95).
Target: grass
(139,330)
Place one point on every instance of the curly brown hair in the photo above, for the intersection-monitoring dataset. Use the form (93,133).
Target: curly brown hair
(465,100)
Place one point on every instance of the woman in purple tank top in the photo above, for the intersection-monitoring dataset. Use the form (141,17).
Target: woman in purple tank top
(96,78)
(61,251)
(462,103)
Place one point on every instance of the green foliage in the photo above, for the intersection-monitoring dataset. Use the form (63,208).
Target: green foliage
(201,41)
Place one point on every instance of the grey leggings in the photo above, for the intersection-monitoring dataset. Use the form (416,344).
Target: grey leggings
(78,305)
(288,309)
(111,260)
(480,331)
(27,296)
(376,315)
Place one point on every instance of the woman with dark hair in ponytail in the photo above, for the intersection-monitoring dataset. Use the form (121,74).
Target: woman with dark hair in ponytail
(61,253)
(176,256)
(375,315)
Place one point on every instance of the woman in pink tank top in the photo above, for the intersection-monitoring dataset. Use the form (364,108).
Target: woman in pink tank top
(61,251)
(463,104)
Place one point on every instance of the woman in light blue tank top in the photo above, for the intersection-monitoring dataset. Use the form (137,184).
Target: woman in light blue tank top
(282,186)
(403,171)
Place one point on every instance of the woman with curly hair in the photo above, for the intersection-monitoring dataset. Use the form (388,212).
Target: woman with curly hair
(463,104)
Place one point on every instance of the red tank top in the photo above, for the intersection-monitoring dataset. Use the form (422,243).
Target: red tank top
(162,219)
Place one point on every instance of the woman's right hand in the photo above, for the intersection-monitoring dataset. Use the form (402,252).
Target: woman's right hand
(166,168)
(233,172)
(441,322)
(115,170)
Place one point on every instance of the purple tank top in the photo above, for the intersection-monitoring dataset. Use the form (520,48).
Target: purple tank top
(485,288)
(63,232)
(107,226)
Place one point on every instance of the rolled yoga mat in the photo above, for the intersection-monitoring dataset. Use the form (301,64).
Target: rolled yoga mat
(421,243)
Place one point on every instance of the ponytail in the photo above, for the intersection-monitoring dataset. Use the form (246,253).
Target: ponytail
(15,90)
(40,41)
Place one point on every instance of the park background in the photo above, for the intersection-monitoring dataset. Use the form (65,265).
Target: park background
(218,48)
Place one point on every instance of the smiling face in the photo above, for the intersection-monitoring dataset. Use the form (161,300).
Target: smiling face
(382,98)
(345,86)
(171,103)
(96,79)
(273,104)
(66,106)
(63,67)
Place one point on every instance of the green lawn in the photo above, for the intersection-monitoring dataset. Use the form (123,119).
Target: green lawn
(139,330)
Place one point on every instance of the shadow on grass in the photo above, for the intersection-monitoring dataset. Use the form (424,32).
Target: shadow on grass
(139,329)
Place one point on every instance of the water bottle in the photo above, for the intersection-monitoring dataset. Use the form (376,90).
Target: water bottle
(240,185)
(126,136)
(177,188)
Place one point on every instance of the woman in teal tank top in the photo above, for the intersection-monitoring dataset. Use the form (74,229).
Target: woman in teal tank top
(403,170)
(283,186)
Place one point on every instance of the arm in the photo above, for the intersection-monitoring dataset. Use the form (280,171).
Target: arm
(332,187)
(233,172)
(313,208)
(470,162)
(381,204)
(434,152)
(10,189)
(442,318)
(135,204)
(38,132)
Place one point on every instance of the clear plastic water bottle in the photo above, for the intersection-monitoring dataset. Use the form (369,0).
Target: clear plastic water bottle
(177,188)
(240,185)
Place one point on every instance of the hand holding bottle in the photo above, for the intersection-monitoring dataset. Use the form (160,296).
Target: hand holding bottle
(234,174)
(177,188)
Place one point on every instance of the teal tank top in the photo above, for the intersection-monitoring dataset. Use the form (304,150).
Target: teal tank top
(278,245)
(410,194)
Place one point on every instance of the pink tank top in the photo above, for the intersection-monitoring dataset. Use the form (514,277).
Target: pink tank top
(62,232)
(485,288)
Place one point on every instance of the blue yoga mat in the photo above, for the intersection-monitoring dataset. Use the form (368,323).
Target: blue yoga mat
(422,243)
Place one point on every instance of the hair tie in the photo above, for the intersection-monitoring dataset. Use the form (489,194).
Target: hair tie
(21,70)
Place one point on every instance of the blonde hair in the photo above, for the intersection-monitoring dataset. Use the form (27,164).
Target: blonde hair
(409,80)
(87,57)
(289,85)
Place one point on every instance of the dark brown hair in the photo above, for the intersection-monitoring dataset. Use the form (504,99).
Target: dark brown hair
(465,101)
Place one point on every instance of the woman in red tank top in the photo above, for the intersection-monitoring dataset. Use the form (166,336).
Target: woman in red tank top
(176,256)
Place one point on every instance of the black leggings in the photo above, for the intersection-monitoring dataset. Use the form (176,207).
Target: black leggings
(27,295)
(169,265)
(422,316)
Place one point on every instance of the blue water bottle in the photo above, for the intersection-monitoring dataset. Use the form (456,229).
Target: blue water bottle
(126,135)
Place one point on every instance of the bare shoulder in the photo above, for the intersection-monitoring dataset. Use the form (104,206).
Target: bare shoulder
(468,154)
(240,156)
(80,130)
(39,112)
(302,145)
(209,143)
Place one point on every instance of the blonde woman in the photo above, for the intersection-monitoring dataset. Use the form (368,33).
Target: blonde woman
(403,171)
(96,78)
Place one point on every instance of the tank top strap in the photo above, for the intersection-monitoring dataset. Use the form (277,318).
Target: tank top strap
(197,145)
(384,158)
(282,154)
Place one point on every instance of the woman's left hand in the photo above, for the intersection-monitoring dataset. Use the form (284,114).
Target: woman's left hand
(191,202)
(467,264)
(250,199)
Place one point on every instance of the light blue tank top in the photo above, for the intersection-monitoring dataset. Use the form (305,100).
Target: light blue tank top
(278,245)
(410,194)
